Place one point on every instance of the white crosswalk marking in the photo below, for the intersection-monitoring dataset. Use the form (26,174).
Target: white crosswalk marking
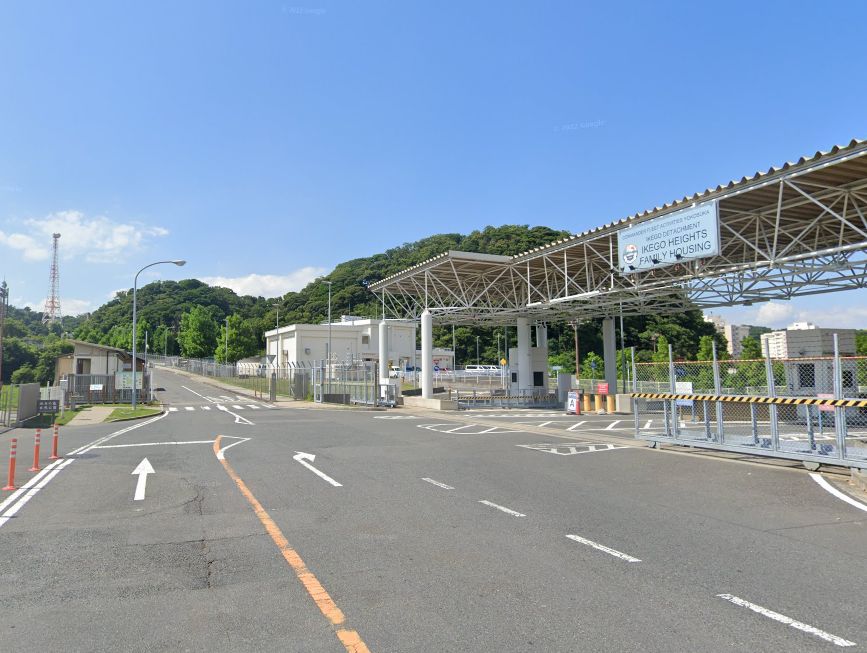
(206,408)
(188,408)
(225,397)
(253,406)
(173,409)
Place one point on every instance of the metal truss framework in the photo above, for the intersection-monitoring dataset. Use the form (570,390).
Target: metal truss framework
(793,231)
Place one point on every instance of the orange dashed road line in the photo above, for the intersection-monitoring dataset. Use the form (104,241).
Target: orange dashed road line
(349,638)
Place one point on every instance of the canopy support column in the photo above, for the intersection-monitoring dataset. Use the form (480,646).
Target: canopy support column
(426,355)
(383,352)
(609,352)
(525,363)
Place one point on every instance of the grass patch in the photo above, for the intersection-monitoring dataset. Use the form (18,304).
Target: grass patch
(127,412)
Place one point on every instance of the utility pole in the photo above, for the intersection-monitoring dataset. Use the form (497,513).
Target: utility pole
(226,351)
(574,324)
(4,304)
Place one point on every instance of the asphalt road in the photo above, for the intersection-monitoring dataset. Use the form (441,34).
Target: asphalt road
(414,531)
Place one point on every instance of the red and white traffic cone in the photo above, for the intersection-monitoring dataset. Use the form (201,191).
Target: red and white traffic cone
(10,483)
(36,440)
(54,440)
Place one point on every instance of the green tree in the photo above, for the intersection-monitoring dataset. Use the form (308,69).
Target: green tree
(17,354)
(751,348)
(705,348)
(24,374)
(198,333)
(242,340)
(593,366)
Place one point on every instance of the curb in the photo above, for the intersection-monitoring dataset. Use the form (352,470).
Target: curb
(132,419)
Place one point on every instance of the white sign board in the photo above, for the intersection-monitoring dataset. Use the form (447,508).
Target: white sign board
(683,388)
(572,403)
(675,238)
(123,380)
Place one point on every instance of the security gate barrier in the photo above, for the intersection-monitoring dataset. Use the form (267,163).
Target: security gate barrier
(827,427)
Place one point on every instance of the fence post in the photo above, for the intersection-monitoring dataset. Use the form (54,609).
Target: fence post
(717,388)
(772,392)
(672,386)
(839,411)
(634,399)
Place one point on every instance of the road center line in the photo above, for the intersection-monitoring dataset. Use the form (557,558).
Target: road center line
(601,547)
(776,616)
(350,639)
(508,511)
(840,495)
(438,484)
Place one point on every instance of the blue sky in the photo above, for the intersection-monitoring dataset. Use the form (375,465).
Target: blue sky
(266,142)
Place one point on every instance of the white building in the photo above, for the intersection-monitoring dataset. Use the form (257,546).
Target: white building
(805,339)
(351,339)
(734,334)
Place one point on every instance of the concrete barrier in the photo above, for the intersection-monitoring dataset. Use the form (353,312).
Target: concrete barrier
(432,404)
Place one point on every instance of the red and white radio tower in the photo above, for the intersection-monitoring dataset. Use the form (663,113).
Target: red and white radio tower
(51,314)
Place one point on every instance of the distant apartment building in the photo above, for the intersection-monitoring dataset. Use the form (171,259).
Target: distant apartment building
(806,340)
(733,333)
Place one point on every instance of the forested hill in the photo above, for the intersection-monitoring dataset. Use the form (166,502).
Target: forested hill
(161,305)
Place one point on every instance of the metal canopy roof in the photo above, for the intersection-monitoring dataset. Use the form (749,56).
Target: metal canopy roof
(798,229)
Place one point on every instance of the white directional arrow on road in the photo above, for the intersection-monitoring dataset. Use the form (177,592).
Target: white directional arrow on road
(144,468)
(302,458)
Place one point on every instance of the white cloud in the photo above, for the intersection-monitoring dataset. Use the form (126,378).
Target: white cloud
(68,306)
(268,285)
(97,239)
(775,314)
(31,250)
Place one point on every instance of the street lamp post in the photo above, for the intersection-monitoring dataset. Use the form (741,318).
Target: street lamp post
(178,262)
(328,351)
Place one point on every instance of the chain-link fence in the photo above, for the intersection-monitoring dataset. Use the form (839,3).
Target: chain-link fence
(801,408)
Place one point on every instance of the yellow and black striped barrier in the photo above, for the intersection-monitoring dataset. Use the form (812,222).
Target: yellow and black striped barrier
(745,399)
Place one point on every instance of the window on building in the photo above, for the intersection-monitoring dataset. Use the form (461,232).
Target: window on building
(365,340)
(806,375)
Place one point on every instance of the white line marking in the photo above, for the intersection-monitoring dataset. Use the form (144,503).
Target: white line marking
(111,436)
(221,455)
(35,484)
(151,444)
(776,616)
(238,418)
(173,409)
(21,490)
(576,425)
(613,424)
(227,398)
(601,547)
(188,408)
(198,395)
(206,408)
(33,491)
(830,488)
(237,407)
(648,423)
(302,458)
(438,484)
(508,511)
(458,428)
(253,406)
(143,469)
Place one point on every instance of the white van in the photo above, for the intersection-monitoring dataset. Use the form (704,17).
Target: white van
(481,370)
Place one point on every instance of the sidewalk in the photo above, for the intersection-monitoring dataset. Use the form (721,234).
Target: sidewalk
(92,415)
